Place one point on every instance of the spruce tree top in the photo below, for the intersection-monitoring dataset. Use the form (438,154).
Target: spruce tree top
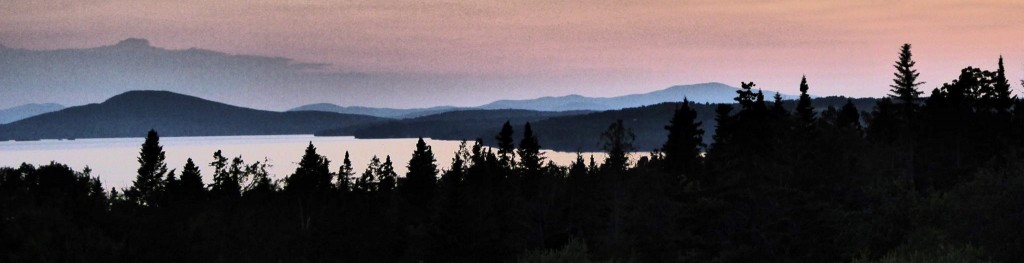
(904,87)
(803,107)
(151,169)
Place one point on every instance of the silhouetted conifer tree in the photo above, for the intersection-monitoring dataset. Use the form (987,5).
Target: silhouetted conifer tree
(592,166)
(192,181)
(529,151)
(723,125)
(578,169)
(778,109)
(149,181)
(506,145)
(421,180)
(386,176)
(904,88)
(760,104)
(1001,97)
(312,175)
(345,173)
(618,142)
(457,172)
(803,107)
(172,188)
(685,141)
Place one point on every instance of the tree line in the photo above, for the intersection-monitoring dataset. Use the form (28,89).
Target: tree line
(914,179)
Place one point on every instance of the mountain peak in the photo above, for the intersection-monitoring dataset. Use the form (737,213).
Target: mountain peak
(150,97)
(133,43)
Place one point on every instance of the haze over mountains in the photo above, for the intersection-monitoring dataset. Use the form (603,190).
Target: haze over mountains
(90,75)
(133,113)
(378,112)
(15,113)
(699,93)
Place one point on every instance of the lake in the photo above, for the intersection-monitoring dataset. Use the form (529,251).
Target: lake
(113,160)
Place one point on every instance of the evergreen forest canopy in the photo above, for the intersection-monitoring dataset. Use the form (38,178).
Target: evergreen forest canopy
(937,178)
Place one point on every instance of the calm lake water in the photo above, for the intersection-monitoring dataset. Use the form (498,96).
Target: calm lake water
(114,160)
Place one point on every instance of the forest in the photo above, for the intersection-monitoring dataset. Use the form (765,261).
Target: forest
(936,177)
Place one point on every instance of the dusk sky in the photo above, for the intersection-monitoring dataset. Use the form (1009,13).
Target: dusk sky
(524,49)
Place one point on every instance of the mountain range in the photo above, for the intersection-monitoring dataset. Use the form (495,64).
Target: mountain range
(566,131)
(377,112)
(87,75)
(712,92)
(133,113)
(453,125)
(15,113)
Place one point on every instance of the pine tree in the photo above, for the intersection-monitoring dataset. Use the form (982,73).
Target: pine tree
(618,142)
(723,126)
(172,188)
(149,181)
(685,140)
(1001,93)
(760,104)
(803,107)
(192,181)
(578,169)
(312,175)
(421,180)
(529,151)
(457,172)
(506,145)
(386,176)
(345,173)
(904,87)
(778,109)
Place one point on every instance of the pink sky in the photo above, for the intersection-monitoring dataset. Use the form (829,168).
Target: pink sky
(533,48)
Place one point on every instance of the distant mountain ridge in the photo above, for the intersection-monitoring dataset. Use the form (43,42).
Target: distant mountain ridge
(377,112)
(453,125)
(16,113)
(131,114)
(578,131)
(712,92)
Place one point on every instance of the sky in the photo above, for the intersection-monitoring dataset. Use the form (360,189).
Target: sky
(471,52)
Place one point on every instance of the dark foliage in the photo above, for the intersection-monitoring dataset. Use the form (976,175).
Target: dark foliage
(937,183)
